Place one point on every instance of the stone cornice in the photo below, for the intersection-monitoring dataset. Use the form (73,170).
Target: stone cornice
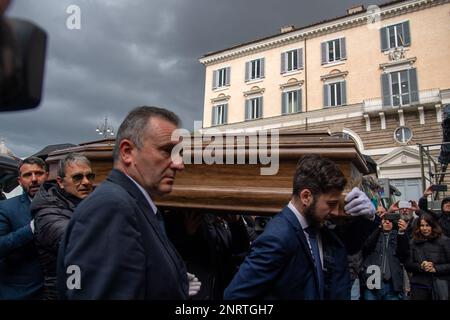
(334,75)
(254,91)
(220,98)
(318,30)
(391,64)
(292,84)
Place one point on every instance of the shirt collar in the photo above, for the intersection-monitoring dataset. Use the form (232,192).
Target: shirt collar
(149,200)
(299,216)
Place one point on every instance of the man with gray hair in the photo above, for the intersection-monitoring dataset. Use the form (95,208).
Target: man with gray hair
(115,246)
(52,209)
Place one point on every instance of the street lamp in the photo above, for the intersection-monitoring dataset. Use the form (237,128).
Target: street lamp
(105,129)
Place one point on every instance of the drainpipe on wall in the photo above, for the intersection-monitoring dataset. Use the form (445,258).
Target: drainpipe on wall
(306,81)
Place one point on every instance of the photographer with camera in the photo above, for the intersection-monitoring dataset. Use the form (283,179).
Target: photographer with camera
(408,211)
(386,248)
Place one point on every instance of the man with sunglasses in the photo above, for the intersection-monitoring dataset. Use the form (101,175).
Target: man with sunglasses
(52,209)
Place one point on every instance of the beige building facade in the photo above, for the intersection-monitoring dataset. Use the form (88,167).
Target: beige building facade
(378,75)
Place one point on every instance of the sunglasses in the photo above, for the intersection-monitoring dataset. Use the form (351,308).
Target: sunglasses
(78,178)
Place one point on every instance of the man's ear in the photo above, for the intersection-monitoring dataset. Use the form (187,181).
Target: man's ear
(59,181)
(306,197)
(126,153)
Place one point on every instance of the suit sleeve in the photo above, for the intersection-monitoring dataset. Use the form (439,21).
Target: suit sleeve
(106,244)
(11,240)
(259,270)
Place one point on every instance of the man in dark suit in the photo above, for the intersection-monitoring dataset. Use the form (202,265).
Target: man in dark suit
(297,256)
(20,273)
(115,246)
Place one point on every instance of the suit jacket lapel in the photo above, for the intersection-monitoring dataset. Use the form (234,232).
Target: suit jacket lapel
(120,178)
(290,216)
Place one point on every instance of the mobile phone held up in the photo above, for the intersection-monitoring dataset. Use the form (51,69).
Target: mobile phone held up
(402,204)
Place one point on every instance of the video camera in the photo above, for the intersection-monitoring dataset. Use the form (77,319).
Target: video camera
(22,61)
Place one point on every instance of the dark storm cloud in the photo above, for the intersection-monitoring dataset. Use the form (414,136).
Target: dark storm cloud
(137,52)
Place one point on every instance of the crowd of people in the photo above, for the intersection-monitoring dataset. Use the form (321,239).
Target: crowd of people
(64,240)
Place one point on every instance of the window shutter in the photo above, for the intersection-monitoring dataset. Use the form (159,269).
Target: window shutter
(247,109)
(213,116)
(283,62)
(260,107)
(214,80)
(414,90)
(343,49)
(227,76)
(386,89)
(299,100)
(326,102)
(406,34)
(262,67)
(283,103)
(225,113)
(247,71)
(343,93)
(300,58)
(324,52)
(384,39)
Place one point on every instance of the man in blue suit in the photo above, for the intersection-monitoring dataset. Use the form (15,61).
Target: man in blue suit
(115,246)
(20,273)
(297,256)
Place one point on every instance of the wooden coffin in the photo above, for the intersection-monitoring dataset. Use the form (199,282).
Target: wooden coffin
(236,188)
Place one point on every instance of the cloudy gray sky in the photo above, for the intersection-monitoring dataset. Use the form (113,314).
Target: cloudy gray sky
(138,52)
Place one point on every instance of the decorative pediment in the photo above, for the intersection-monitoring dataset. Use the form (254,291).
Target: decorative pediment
(254,90)
(335,73)
(293,82)
(397,64)
(221,98)
(400,157)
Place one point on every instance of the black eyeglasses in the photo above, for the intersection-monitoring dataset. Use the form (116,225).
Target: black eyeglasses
(77,178)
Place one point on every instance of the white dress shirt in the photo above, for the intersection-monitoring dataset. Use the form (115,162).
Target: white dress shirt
(305,225)
(150,201)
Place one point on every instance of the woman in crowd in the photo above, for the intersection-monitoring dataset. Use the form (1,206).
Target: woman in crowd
(430,257)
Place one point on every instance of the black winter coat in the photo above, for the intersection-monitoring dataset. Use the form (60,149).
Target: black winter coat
(436,251)
(397,254)
(52,208)
(213,253)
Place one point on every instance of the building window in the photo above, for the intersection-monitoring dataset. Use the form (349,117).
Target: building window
(253,108)
(254,69)
(291,60)
(334,94)
(291,101)
(333,50)
(221,78)
(400,88)
(394,36)
(219,114)
(403,134)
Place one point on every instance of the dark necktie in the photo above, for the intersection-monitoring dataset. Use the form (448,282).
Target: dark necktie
(316,255)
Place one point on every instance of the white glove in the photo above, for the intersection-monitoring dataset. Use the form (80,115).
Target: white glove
(32,226)
(194,284)
(358,204)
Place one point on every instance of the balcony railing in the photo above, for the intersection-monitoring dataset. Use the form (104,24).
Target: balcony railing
(396,101)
